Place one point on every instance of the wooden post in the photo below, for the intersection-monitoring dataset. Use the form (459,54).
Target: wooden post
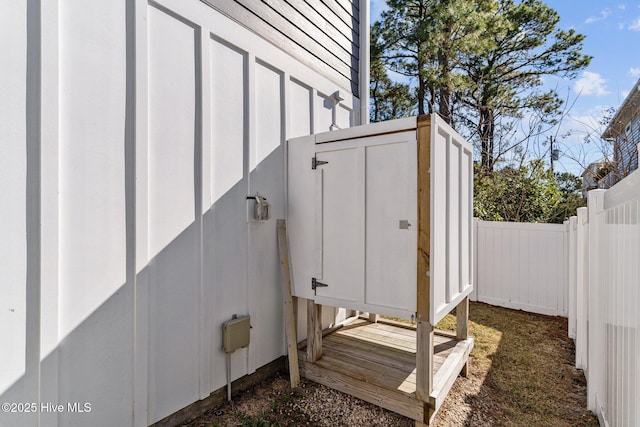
(285,282)
(424,362)
(373,318)
(462,327)
(424,344)
(314,331)
(295,314)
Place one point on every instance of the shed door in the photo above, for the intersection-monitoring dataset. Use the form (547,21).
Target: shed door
(342,205)
(367,196)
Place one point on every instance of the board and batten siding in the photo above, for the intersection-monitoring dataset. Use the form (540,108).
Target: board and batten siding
(135,132)
(322,34)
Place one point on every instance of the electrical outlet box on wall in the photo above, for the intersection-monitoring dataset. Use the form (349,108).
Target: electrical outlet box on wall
(236,333)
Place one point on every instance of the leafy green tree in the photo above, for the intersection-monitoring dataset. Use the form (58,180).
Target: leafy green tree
(568,183)
(571,188)
(527,193)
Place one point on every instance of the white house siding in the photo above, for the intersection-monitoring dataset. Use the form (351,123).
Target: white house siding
(323,34)
(13,182)
(131,147)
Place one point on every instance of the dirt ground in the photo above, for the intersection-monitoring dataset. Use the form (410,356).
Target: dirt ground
(521,373)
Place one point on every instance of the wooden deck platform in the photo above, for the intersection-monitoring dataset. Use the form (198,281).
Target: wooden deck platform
(376,362)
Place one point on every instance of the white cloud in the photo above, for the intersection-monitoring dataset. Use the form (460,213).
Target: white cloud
(635,25)
(622,6)
(634,72)
(585,122)
(591,84)
(603,15)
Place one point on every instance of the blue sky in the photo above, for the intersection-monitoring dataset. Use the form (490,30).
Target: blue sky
(612,30)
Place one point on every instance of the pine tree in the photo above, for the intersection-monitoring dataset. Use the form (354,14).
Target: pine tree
(504,80)
(480,63)
(426,39)
(389,100)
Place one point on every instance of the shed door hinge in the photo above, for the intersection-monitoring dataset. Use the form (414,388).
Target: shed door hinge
(315,162)
(315,284)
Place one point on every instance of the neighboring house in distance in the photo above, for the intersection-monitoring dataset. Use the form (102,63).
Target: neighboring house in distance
(592,177)
(623,132)
(135,136)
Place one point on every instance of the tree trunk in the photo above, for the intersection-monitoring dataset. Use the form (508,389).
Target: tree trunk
(487,124)
(421,92)
(375,99)
(444,107)
(421,83)
(444,99)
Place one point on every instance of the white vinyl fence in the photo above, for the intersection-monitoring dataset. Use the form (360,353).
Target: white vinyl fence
(587,269)
(522,266)
(605,266)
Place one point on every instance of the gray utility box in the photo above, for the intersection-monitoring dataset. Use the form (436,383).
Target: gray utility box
(235,334)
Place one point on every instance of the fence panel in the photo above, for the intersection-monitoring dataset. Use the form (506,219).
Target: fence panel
(522,266)
(613,324)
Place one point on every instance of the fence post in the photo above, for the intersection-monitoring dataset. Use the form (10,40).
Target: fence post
(573,225)
(474,294)
(565,269)
(596,340)
(581,289)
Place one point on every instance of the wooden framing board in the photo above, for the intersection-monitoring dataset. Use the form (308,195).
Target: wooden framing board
(424,345)
(412,327)
(314,331)
(289,315)
(462,326)
(424,217)
(448,372)
(396,402)
(462,319)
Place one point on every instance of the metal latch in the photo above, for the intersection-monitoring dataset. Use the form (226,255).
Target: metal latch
(315,284)
(315,162)
(404,224)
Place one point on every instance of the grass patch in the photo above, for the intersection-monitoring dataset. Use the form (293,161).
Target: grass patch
(525,365)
